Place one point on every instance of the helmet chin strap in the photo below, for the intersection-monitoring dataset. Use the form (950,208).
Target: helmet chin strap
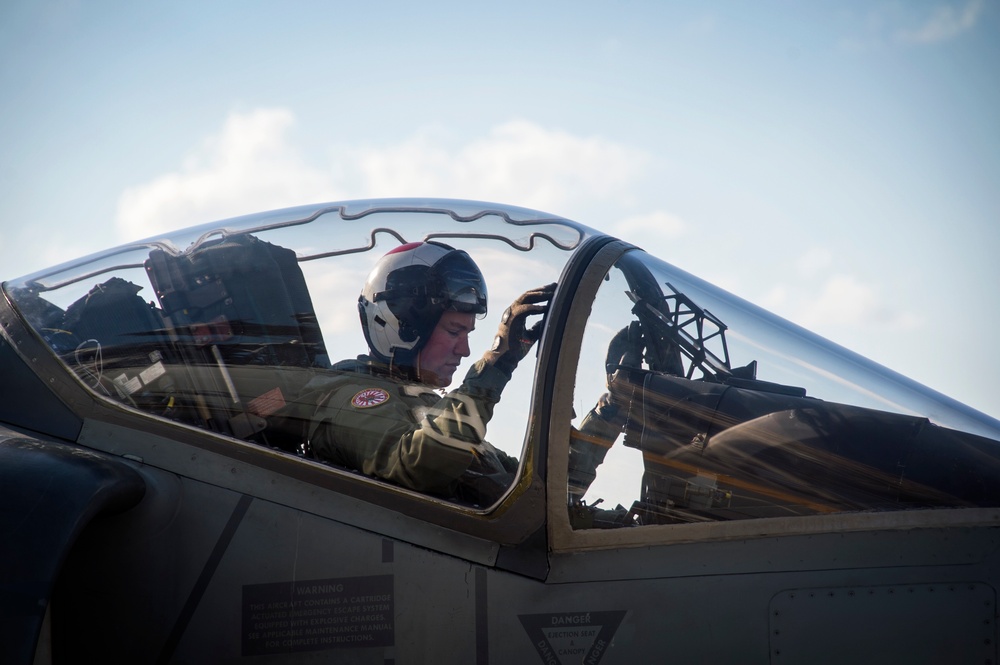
(412,372)
(420,375)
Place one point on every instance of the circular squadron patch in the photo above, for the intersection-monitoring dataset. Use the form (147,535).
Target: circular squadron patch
(370,397)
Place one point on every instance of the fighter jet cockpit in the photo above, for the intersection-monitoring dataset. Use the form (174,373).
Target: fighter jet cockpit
(652,397)
(703,408)
(235,328)
(288,435)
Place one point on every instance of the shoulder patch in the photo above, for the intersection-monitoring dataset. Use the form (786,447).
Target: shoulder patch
(370,397)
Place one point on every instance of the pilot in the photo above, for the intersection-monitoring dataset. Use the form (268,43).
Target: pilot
(386,414)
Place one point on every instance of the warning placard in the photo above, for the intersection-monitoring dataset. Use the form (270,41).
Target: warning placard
(311,615)
(572,637)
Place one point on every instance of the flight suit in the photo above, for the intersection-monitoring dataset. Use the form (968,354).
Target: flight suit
(372,420)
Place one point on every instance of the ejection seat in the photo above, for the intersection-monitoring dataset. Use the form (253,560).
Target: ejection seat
(243,323)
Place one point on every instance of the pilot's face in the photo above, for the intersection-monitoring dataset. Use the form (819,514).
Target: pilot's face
(448,344)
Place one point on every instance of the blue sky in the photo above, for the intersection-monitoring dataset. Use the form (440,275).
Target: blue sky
(836,162)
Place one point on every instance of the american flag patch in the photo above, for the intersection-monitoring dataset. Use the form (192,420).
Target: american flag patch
(267,403)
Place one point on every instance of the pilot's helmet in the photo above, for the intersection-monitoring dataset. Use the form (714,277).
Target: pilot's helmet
(407,292)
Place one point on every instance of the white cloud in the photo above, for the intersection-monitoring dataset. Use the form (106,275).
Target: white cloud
(516,162)
(833,304)
(946,22)
(776,298)
(906,23)
(504,273)
(249,166)
(843,300)
(846,301)
(651,229)
(814,262)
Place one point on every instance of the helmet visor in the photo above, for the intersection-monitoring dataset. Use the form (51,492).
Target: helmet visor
(463,288)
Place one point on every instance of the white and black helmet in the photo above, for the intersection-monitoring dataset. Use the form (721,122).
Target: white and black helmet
(408,291)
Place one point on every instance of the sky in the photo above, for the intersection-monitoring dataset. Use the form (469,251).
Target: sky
(835,162)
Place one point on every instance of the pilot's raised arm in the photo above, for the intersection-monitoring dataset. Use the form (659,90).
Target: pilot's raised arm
(384,415)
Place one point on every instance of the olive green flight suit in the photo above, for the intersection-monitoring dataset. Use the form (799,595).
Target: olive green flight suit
(407,432)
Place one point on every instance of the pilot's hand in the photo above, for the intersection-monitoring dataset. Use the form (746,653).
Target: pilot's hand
(514,338)
(489,475)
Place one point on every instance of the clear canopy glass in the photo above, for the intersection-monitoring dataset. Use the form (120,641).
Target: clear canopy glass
(225,327)
(692,405)
(689,404)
